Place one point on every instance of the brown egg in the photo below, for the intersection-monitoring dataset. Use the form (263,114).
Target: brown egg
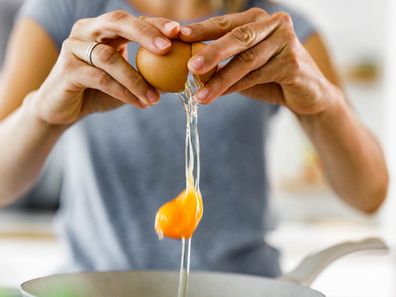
(169,72)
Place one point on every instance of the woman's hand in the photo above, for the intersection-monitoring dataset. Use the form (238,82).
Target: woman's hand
(269,62)
(75,88)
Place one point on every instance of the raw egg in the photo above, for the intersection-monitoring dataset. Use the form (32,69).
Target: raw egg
(168,73)
(180,217)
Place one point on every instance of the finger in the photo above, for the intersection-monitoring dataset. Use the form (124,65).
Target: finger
(272,72)
(95,78)
(111,61)
(237,41)
(272,93)
(167,27)
(97,101)
(240,66)
(118,24)
(216,27)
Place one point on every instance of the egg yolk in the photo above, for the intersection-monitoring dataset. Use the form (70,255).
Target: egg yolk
(180,217)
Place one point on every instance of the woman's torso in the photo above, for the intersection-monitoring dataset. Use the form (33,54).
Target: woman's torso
(122,165)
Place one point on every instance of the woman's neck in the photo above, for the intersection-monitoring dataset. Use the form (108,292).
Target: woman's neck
(178,10)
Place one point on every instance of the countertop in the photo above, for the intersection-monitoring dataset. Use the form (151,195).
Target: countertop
(365,274)
(29,249)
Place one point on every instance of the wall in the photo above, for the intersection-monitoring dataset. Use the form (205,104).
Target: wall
(390,118)
(354,31)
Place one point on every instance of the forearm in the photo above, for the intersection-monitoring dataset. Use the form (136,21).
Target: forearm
(25,142)
(352,159)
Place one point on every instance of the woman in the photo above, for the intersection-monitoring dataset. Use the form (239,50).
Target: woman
(120,166)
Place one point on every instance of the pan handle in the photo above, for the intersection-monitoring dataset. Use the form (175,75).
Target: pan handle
(312,265)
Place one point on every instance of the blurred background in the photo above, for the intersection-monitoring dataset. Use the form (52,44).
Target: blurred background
(361,36)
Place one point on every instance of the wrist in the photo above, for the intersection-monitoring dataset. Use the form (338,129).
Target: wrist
(31,111)
(333,103)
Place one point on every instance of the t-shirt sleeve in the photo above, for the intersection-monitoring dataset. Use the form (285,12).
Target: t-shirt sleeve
(56,17)
(302,26)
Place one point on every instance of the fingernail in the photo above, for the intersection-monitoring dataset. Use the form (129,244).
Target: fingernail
(170,26)
(152,96)
(161,42)
(196,63)
(186,31)
(202,94)
(145,103)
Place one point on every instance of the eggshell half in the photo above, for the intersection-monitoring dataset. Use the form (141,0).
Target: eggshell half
(168,73)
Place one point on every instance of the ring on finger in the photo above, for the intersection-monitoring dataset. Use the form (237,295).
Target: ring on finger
(89,51)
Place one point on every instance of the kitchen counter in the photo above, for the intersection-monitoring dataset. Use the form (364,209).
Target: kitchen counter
(28,249)
(365,274)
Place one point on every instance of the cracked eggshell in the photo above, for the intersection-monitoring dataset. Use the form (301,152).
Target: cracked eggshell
(169,72)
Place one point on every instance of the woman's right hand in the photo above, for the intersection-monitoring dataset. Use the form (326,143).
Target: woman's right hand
(74,88)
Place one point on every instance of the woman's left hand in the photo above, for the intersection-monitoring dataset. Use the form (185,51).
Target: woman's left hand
(269,62)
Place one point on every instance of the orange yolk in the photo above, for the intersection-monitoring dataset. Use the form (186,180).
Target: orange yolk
(179,217)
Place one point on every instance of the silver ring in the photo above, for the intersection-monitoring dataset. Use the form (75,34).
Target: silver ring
(88,52)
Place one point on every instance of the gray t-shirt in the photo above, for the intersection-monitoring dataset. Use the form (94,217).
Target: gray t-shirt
(120,166)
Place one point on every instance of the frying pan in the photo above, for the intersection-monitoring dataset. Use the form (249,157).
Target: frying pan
(202,284)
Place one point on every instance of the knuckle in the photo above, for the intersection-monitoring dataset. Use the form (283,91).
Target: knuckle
(123,93)
(198,27)
(134,79)
(284,18)
(100,77)
(253,76)
(66,45)
(105,54)
(290,36)
(215,53)
(78,26)
(142,29)
(156,20)
(115,16)
(126,93)
(222,22)
(244,36)
(163,20)
(257,12)
(248,57)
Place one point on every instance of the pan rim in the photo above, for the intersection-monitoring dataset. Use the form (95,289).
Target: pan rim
(24,291)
